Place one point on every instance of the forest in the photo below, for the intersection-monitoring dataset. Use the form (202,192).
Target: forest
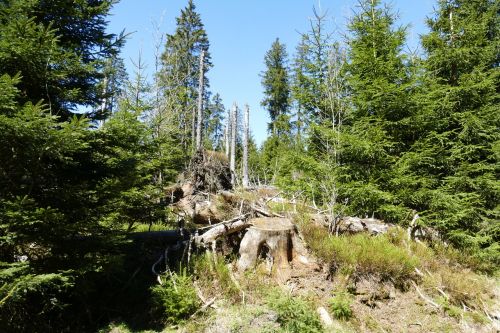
(96,163)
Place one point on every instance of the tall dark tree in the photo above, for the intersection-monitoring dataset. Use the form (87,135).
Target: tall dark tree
(215,122)
(451,173)
(275,80)
(180,71)
(59,49)
(379,90)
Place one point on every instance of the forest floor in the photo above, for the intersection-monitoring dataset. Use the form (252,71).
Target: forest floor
(355,283)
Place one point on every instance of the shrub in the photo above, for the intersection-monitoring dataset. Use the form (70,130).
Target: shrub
(176,297)
(294,313)
(361,253)
(340,306)
(212,272)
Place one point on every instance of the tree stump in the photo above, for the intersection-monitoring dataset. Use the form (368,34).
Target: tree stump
(274,240)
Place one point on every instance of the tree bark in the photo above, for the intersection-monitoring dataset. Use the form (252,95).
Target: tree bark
(272,239)
(227,132)
(232,165)
(199,124)
(246,130)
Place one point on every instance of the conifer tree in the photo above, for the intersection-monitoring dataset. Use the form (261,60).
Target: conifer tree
(275,81)
(61,53)
(451,173)
(180,71)
(379,84)
(215,123)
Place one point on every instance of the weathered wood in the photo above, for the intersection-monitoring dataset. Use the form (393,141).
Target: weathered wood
(222,229)
(234,122)
(353,225)
(199,123)
(274,240)
(245,145)
(227,133)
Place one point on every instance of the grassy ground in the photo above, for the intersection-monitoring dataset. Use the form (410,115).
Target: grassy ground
(386,283)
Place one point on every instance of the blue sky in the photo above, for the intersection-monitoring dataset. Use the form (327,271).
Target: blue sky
(240,33)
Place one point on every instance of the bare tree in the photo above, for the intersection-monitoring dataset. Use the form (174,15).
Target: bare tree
(199,123)
(246,129)
(232,164)
(227,132)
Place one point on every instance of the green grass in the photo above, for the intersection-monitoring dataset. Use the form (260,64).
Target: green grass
(213,273)
(361,254)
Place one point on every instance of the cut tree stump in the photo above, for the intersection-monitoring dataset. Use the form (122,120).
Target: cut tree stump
(274,240)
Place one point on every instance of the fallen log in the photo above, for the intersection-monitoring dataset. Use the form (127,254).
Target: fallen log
(352,225)
(221,229)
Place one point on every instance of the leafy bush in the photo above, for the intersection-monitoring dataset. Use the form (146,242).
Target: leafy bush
(294,313)
(340,306)
(176,297)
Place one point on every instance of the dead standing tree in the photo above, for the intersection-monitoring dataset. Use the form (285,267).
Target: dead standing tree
(232,164)
(199,123)
(246,129)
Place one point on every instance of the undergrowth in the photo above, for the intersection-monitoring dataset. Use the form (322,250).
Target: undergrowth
(176,297)
(214,275)
(295,314)
(340,306)
(443,273)
(361,254)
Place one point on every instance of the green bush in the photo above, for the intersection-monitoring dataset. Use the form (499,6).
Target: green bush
(361,253)
(294,313)
(340,306)
(176,297)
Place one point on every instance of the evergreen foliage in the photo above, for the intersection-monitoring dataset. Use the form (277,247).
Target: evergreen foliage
(450,175)
(59,49)
(180,71)
(276,86)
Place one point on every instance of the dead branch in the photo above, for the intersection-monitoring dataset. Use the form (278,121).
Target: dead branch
(425,298)
(222,229)
(265,212)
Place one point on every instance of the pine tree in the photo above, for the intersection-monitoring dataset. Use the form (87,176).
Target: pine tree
(180,71)
(61,52)
(451,174)
(215,123)
(379,90)
(276,85)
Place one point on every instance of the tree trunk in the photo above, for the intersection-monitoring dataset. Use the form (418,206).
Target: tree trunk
(246,130)
(232,165)
(227,132)
(274,240)
(199,124)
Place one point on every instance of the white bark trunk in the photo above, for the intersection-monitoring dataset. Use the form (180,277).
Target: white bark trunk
(227,132)
(234,118)
(199,124)
(246,131)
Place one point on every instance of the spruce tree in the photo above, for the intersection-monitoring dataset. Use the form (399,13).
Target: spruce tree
(379,91)
(180,72)
(451,173)
(215,123)
(275,81)
(59,49)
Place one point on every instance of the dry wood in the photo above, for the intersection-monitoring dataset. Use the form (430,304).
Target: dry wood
(264,212)
(425,298)
(220,230)
(234,122)
(245,145)
(199,124)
